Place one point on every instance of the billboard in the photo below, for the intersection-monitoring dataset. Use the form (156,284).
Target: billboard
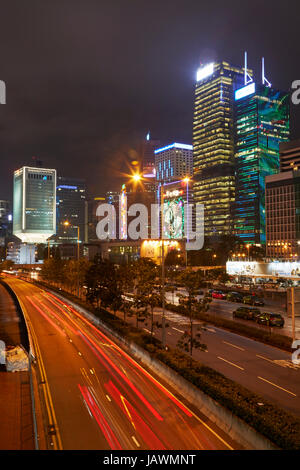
(255,268)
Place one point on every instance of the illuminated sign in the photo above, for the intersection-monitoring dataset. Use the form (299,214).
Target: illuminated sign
(174,193)
(175,145)
(245,91)
(253,268)
(123,214)
(205,71)
(65,186)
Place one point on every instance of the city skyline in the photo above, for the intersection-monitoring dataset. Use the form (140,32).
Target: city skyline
(75,122)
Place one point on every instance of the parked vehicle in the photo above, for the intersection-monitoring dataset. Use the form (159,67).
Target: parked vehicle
(242,312)
(270,319)
(247,313)
(253,300)
(218,294)
(234,297)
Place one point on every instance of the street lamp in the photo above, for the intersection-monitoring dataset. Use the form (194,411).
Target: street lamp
(67,224)
(248,248)
(136,177)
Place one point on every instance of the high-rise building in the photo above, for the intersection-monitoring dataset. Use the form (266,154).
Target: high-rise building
(213,143)
(148,147)
(283,215)
(34,205)
(290,155)
(93,204)
(262,122)
(5,222)
(173,162)
(71,208)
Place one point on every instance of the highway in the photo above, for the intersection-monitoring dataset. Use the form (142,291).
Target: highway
(95,395)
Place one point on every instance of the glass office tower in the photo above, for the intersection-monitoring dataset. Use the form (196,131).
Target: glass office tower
(34,207)
(213,143)
(71,208)
(262,122)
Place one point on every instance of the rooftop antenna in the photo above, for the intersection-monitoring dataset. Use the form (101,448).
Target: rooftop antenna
(247,77)
(264,80)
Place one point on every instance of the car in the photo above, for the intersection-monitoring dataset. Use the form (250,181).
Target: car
(242,312)
(234,297)
(247,313)
(253,300)
(218,294)
(270,319)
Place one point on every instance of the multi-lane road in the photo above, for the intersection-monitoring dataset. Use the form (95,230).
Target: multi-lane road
(95,395)
(224,308)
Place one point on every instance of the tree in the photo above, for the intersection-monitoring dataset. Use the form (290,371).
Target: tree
(6,265)
(145,295)
(191,280)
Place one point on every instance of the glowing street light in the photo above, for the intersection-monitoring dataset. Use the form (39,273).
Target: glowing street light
(136,177)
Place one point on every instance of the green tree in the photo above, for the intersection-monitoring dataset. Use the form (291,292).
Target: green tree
(191,280)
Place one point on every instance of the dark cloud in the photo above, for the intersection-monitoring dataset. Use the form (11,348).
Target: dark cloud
(86,79)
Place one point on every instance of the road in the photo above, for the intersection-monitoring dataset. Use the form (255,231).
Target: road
(96,396)
(263,369)
(224,309)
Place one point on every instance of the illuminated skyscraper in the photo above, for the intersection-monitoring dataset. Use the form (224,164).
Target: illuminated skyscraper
(71,207)
(173,162)
(262,122)
(213,142)
(34,208)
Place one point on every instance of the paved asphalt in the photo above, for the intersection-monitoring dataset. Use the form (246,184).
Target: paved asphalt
(261,368)
(98,397)
(223,308)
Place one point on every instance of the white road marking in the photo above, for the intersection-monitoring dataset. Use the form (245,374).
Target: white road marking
(231,363)
(277,386)
(180,331)
(234,346)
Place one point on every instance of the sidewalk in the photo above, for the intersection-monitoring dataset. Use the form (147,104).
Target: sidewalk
(16,426)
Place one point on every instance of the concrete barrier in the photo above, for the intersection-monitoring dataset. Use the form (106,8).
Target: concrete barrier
(236,428)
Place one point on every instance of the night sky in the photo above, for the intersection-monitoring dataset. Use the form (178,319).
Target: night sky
(86,79)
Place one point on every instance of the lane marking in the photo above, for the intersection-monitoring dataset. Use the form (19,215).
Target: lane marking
(135,441)
(146,373)
(277,386)
(180,331)
(234,346)
(265,358)
(231,363)
(57,444)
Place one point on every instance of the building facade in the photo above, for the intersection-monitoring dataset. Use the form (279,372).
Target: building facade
(283,215)
(213,143)
(34,204)
(261,124)
(71,208)
(290,155)
(173,162)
